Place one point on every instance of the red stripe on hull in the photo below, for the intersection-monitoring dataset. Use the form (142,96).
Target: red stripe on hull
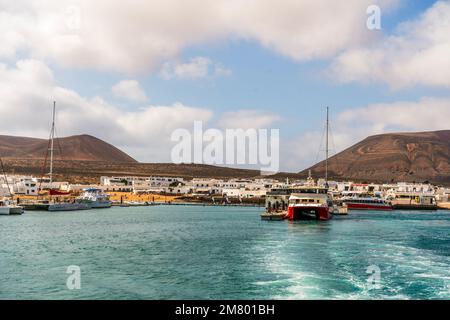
(366,206)
(53,192)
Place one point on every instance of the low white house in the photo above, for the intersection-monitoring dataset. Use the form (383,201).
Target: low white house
(26,186)
(243,193)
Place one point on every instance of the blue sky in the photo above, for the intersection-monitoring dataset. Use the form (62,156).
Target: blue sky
(261,79)
(266,75)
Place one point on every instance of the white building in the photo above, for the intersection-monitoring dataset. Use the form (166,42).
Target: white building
(415,187)
(155,181)
(243,193)
(26,186)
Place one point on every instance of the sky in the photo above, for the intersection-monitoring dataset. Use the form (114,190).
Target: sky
(132,74)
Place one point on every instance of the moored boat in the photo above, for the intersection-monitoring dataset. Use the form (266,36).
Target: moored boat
(340,209)
(136,204)
(95,198)
(56,204)
(7,207)
(67,206)
(414,201)
(36,206)
(57,192)
(276,216)
(367,203)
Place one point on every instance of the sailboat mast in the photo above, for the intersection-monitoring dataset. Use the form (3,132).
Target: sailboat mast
(52,138)
(327,149)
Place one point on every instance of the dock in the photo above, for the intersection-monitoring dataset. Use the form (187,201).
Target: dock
(401,206)
(273,216)
(35,206)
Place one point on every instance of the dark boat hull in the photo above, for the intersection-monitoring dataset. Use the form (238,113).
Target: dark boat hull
(297,213)
(36,206)
(366,206)
(416,207)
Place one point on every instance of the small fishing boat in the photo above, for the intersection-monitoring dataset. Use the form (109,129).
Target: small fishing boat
(37,205)
(340,209)
(95,198)
(7,207)
(275,216)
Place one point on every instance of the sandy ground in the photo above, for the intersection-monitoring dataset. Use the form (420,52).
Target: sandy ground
(129,196)
(444,205)
(116,196)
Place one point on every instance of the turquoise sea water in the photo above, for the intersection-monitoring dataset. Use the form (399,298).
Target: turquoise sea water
(181,252)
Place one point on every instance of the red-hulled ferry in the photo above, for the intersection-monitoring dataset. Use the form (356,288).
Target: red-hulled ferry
(310,203)
(367,203)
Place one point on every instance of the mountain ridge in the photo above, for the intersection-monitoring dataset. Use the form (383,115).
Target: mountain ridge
(77,147)
(392,157)
(389,157)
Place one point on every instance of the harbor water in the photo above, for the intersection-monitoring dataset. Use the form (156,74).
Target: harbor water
(187,252)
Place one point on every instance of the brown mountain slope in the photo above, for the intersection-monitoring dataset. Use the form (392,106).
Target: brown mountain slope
(422,156)
(85,158)
(81,147)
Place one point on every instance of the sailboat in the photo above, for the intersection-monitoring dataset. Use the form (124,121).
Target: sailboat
(312,202)
(60,206)
(7,206)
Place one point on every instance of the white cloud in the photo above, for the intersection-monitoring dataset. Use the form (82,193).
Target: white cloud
(129,89)
(198,67)
(28,89)
(417,55)
(247,119)
(221,71)
(106,34)
(27,92)
(422,115)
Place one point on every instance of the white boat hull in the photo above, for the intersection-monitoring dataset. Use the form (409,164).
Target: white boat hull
(11,210)
(97,204)
(95,199)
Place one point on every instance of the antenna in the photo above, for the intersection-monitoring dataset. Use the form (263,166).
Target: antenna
(327,149)
(52,138)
